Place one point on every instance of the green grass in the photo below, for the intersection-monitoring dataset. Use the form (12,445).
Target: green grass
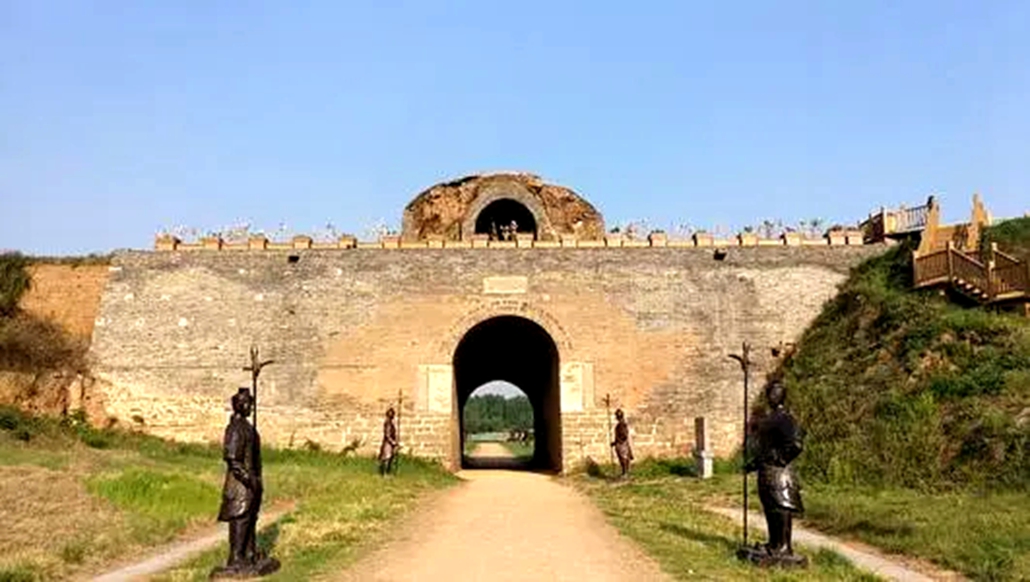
(159,503)
(19,574)
(520,450)
(993,543)
(986,537)
(665,516)
(149,491)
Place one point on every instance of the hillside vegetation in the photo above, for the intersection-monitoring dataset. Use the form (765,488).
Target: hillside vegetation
(1012,236)
(902,388)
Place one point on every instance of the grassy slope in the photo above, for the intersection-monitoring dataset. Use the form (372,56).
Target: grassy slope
(80,499)
(917,414)
(1012,236)
(902,388)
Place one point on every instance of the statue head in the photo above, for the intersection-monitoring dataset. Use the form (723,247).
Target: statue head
(242,402)
(618,414)
(390,413)
(775,393)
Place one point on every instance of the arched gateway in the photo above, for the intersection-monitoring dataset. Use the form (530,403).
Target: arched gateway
(519,351)
(568,315)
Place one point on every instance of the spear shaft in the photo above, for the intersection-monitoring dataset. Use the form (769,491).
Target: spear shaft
(397,452)
(745,364)
(608,415)
(255,370)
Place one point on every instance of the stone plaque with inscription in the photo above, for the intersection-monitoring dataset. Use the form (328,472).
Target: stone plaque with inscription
(435,387)
(505,285)
(577,385)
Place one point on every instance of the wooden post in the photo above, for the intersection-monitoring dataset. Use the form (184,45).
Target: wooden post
(951,260)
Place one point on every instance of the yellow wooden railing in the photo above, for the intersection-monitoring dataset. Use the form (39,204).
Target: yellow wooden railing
(1001,277)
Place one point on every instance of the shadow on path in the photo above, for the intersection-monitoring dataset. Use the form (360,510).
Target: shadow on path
(503,463)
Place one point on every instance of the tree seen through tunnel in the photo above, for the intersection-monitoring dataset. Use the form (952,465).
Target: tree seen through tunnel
(498,421)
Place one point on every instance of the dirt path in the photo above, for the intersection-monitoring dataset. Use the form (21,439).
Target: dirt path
(491,450)
(507,525)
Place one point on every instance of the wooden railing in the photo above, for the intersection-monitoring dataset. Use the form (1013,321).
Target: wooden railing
(899,221)
(1001,259)
(909,219)
(969,269)
(1002,277)
(932,268)
(1009,280)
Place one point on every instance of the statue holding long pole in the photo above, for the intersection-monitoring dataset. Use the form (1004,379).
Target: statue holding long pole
(744,357)
(244,487)
(777,443)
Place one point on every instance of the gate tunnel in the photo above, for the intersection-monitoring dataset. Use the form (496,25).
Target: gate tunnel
(519,351)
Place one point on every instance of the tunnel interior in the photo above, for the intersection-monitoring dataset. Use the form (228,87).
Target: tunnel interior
(499,215)
(519,351)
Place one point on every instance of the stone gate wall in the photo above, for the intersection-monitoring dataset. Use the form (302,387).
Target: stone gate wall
(354,330)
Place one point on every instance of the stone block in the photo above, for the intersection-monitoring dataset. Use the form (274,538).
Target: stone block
(747,239)
(166,243)
(211,243)
(703,239)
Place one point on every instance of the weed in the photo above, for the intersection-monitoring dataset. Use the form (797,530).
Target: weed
(18,574)
(75,552)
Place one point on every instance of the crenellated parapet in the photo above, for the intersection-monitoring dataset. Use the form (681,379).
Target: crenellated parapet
(848,237)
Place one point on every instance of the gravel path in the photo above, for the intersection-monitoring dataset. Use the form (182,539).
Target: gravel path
(507,525)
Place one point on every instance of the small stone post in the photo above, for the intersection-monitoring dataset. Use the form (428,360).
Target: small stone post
(702,450)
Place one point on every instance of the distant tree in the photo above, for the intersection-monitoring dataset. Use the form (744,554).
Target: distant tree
(496,413)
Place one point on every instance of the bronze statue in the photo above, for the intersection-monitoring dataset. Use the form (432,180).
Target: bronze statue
(241,494)
(778,444)
(621,442)
(389,446)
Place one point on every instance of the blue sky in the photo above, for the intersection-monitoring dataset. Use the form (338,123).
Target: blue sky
(118,119)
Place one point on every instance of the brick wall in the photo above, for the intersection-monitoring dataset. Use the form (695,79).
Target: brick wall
(350,329)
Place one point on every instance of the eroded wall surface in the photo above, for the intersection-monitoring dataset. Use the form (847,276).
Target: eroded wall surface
(352,331)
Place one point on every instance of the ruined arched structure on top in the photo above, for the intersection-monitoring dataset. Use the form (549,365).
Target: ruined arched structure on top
(458,209)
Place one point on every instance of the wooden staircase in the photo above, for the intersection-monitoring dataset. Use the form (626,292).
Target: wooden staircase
(994,278)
